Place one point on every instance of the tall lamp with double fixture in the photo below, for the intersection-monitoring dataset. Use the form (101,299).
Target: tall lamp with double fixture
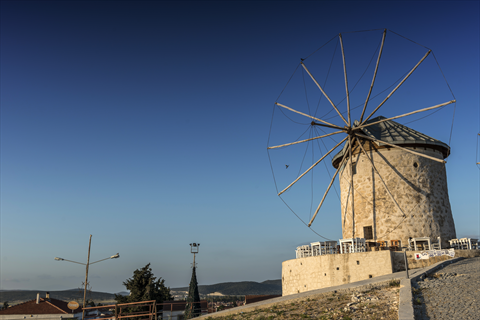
(115,256)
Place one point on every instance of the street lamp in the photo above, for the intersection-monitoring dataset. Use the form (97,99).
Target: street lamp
(194,247)
(115,256)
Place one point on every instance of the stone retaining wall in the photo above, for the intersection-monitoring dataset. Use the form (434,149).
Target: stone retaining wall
(306,274)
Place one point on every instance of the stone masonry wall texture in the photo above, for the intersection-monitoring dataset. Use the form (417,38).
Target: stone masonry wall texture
(419,186)
(305,274)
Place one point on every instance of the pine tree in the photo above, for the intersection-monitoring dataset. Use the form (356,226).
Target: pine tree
(144,286)
(193,308)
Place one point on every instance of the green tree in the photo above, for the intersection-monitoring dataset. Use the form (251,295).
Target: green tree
(193,307)
(5,305)
(144,286)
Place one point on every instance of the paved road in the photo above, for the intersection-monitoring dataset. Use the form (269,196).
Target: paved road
(451,293)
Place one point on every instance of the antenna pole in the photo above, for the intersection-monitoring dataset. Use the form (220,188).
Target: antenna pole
(86,278)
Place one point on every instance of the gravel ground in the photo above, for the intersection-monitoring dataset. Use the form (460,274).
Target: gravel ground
(451,293)
(374,304)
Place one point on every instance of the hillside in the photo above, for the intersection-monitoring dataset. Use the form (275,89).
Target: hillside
(274,282)
(240,288)
(18,296)
(226,288)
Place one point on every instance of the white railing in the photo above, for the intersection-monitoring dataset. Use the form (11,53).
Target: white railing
(354,245)
(331,247)
(464,244)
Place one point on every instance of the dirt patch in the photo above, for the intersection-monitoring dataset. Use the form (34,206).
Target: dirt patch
(373,304)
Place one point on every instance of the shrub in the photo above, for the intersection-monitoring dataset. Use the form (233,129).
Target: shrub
(394,283)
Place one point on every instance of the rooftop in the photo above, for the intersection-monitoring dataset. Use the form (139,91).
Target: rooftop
(45,306)
(398,134)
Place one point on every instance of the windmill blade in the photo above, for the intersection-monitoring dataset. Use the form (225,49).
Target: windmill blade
(381,179)
(353,192)
(326,192)
(374,75)
(398,86)
(408,114)
(313,165)
(313,123)
(330,125)
(346,206)
(301,141)
(346,81)
(326,96)
(404,149)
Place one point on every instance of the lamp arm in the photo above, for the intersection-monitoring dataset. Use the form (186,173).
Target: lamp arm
(115,256)
(100,260)
(74,262)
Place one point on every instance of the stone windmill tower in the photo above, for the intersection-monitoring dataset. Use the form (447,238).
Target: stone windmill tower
(392,178)
(414,202)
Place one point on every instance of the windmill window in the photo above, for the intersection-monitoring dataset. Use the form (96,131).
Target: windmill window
(368,232)
(415,165)
(354,168)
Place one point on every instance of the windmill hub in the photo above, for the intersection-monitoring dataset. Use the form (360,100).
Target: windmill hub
(349,130)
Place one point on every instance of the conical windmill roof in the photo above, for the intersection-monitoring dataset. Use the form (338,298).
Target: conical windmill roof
(398,134)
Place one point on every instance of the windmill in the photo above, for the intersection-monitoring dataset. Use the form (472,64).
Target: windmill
(365,144)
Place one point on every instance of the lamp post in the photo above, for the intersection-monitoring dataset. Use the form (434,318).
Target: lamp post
(193,307)
(115,256)
(194,247)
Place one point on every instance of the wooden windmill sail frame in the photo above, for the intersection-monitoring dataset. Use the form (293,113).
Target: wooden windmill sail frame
(353,130)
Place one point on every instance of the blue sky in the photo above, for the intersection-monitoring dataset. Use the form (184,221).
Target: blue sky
(145,124)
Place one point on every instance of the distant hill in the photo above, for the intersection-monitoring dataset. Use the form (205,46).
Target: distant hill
(18,296)
(274,282)
(226,288)
(240,288)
